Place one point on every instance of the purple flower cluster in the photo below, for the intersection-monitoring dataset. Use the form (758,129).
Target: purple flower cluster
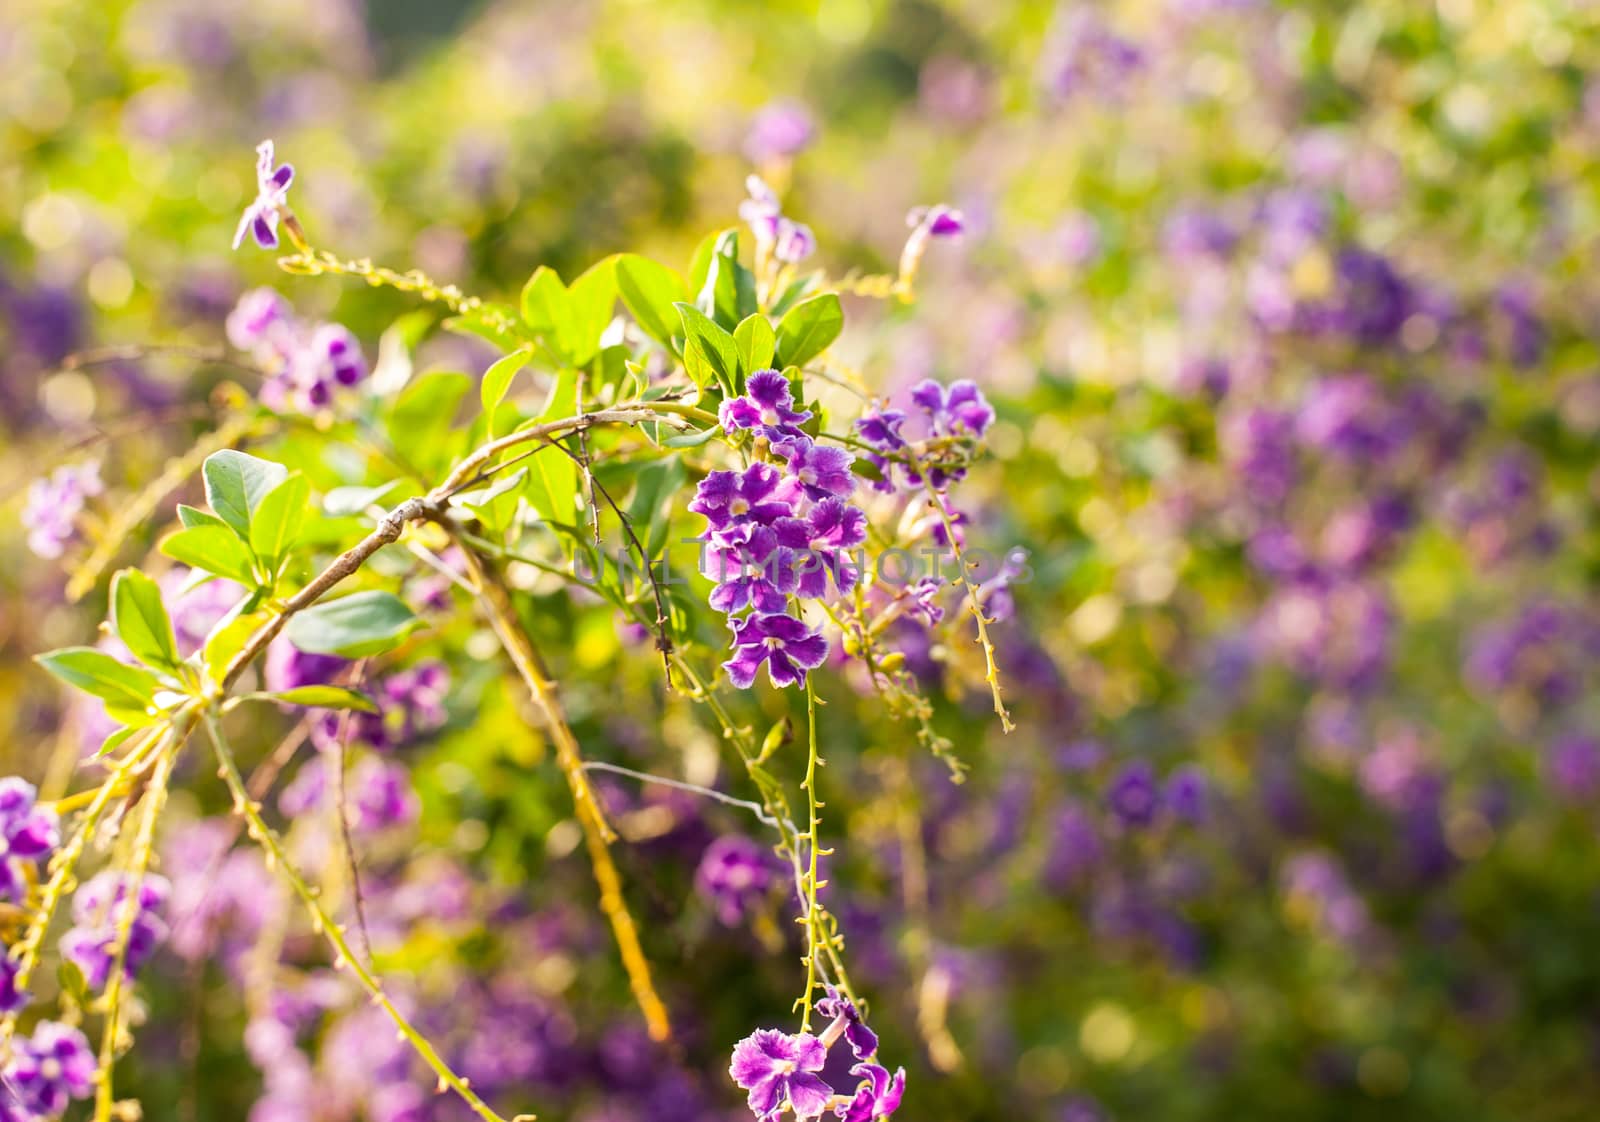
(949,423)
(45,1072)
(305,364)
(1086,57)
(774,534)
(786,240)
(97,914)
(54,506)
(782,1071)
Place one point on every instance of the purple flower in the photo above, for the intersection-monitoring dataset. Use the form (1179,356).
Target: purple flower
(11,998)
(922,599)
(939,220)
(745,563)
(778,1069)
(735,874)
(26,835)
(54,504)
(787,646)
(960,410)
(1133,795)
(97,911)
(1186,794)
(846,1021)
(881,429)
(287,667)
(780,131)
(336,355)
(51,1068)
(381,793)
(824,536)
(260,218)
(1572,768)
(260,316)
(761,211)
(767,408)
(758,494)
(821,470)
(877,1097)
(794,243)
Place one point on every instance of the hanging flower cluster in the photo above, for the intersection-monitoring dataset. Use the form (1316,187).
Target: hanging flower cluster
(774,534)
(305,364)
(781,1071)
(98,912)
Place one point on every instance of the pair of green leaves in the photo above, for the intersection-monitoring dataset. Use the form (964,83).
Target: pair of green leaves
(260,509)
(710,353)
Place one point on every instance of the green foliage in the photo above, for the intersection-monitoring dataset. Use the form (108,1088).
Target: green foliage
(353,626)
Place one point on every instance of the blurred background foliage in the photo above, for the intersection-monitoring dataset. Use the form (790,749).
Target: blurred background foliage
(1365,608)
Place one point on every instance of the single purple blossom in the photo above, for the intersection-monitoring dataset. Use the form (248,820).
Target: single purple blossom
(820,469)
(745,562)
(766,408)
(794,242)
(1133,795)
(845,1020)
(51,1068)
(735,874)
(780,131)
(27,834)
(778,1069)
(939,220)
(11,997)
(877,1097)
(786,645)
(823,538)
(758,494)
(260,316)
(260,218)
(762,211)
(1186,794)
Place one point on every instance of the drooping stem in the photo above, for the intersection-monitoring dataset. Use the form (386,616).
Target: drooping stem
(813,916)
(991,668)
(155,798)
(597,833)
(267,838)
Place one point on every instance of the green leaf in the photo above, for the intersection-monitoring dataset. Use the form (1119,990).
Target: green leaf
(423,416)
(236,484)
(140,619)
(212,549)
(650,509)
(729,292)
(700,262)
(111,743)
(709,352)
(344,501)
(553,477)
(756,342)
(497,379)
(276,527)
(192,516)
(354,626)
(795,291)
(229,637)
(649,291)
(320,697)
(593,298)
(119,685)
(809,328)
(546,305)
